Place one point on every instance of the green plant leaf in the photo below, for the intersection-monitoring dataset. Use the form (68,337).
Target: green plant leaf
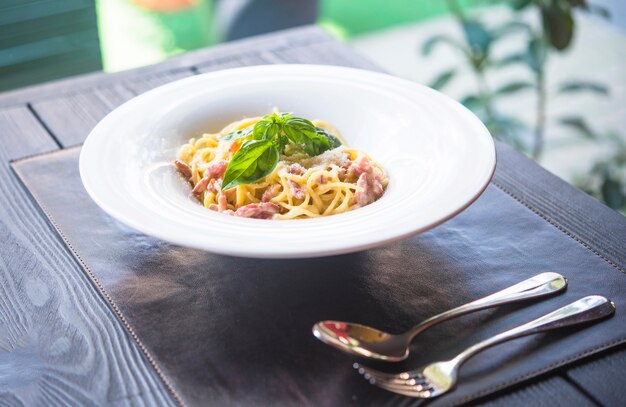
(332,140)
(536,54)
(612,194)
(509,60)
(598,10)
(429,45)
(510,27)
(253,161)
(578,124)
(472,102)
(305,134)
(266,130)
(477,36)
(512,88)
(558,24)
(442,79)
(580,86)
(519,4)
(242,133)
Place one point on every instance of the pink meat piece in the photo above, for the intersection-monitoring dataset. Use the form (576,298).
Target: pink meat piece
(222,202)
(296,169)
(360,166)
(295,189)
(270,193)
(263,210)
(183,168)
(201,186)
(369,189)
(215,185)
(341,173)
(213,171)
(216,169)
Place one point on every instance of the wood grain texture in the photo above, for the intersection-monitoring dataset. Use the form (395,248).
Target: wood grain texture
(603,378)
(71,117)
(550,392)
(60,344)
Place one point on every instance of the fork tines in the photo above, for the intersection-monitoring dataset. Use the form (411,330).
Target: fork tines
(405,383)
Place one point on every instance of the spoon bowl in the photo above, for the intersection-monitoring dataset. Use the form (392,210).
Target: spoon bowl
(363,340)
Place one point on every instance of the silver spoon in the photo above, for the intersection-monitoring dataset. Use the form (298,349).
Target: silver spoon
(371,343)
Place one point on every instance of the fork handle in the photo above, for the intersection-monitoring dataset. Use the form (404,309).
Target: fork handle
(538,286)
(584,310)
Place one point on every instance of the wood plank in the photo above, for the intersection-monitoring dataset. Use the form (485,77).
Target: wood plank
(71,117)
(551,392)
(603,377)
(249,59)
(332,53)
(145,83)
(284,39)
(22,135)
(60,343)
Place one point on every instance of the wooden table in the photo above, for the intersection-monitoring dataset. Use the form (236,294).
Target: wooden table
(43,290)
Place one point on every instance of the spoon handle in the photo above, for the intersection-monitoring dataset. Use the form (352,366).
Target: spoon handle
(538,286)
(584,310)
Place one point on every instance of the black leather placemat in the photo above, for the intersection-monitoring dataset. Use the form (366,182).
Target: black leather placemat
(225,330)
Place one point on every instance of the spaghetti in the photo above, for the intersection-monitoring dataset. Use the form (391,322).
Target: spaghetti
(300,186)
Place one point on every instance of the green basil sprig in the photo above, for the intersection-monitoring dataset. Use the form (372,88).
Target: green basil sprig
(266,140)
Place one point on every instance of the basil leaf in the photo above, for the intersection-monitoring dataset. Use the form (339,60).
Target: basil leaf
(305,134)
(241,133)
(265,130)
(253,161)
(332,140)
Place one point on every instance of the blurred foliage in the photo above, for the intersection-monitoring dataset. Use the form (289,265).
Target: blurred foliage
(607,179)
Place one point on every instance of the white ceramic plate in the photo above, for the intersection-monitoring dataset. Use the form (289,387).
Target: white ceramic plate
(438,155)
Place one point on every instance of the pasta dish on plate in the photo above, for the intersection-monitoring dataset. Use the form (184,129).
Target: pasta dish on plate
(279,167)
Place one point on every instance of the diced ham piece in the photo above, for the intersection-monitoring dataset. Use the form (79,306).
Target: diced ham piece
(213,171)
(216,169)
(216,208)
(270,193)
(183,168)
(296,169)
(201,186)
(295,189)
(263,210)
(360,166)
(341,173)
(369,189)
(215,186)
(222,202)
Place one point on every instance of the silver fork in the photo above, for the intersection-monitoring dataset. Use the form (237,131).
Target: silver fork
(439,377)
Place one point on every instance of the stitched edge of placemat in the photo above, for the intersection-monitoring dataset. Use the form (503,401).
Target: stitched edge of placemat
(173,391)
